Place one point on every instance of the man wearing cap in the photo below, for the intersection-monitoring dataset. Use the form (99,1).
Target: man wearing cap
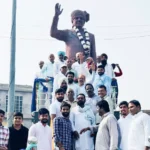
(60,62)
(61,74)
(78,39)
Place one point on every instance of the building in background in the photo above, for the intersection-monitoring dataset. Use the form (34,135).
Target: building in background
(23,97)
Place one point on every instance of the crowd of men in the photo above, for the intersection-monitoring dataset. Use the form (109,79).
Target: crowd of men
(81,111)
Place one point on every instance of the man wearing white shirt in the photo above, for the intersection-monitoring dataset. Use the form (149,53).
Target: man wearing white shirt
(102,93)
(61,74)
(124,125)
(108,67)
(107,135)
(83,117)
(42,131)
(81,84)
(139,132)
(60,61)
(69,68)
(55,106)
(43,97)
(71,84)
(80,65)
(92,99)
(98,60)
(48,68)
(40,73)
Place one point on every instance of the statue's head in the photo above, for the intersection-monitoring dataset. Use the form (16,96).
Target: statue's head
(79,18)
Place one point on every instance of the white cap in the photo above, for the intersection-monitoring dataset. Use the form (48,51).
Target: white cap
(63,65)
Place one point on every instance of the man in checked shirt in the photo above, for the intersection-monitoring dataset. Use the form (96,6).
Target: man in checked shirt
(63,131)
(4,133)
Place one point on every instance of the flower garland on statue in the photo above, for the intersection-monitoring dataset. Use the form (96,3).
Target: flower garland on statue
(85,43)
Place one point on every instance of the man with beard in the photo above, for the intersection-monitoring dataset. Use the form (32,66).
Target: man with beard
(91,98)
(63,128)
(83,117)
(55,106)
(108,67)
(110,72)
(42,131)
(63,84)
(124,125)
(102,79)
(78,39)
(71,84)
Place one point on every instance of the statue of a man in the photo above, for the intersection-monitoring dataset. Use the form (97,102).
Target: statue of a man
(78,39)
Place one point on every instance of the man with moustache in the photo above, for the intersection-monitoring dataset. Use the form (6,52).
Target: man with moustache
(83,117)
(102,79)
(71,84)
(42,131)
(63,128)
(55,106)
(91,99)
(108,67)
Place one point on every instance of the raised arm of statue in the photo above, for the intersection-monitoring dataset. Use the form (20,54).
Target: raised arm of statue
(93,49)
(55,33)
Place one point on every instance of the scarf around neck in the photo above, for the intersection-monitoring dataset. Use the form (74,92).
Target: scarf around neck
(88,113)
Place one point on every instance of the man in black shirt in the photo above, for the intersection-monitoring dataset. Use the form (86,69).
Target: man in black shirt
(18,133)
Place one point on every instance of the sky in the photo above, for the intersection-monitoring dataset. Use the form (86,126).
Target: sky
(121,29)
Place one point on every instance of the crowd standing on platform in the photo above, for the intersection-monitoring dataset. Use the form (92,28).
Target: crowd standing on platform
(81,108)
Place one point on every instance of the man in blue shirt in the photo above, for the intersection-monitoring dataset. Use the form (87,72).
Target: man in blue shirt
(63,128)
(102,79)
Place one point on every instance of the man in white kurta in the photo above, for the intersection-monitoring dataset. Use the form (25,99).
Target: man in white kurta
(61,74)
(48,68)
(139,133)
(42,131)
(81,85)
(107,135)
(124,125)
(71,84)
(59,63)
(83,117)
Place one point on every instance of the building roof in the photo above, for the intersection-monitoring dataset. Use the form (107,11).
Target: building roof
(18,88)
